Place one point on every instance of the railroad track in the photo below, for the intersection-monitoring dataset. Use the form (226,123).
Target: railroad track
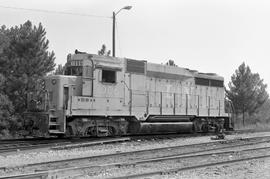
(48,174)
(179,169)
(140,157)
(56,144)
(14,145)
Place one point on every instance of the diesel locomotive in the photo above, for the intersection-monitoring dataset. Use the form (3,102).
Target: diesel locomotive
(108,96)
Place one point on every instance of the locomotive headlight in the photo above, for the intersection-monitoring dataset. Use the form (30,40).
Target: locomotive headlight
(43,84)
(53,81)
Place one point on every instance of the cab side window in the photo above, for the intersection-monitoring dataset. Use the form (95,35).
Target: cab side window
(108,76)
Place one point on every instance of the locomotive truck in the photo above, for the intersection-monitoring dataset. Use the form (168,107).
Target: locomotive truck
(108,96)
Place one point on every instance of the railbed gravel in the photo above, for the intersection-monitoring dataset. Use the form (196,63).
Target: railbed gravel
(30,157)
(259,169)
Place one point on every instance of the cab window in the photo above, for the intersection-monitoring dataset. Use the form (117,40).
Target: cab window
(74,70)
(108,76)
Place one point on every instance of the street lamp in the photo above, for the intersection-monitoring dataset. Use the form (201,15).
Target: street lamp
(113,35)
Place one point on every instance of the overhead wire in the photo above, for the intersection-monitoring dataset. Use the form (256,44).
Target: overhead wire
(66,13)
(54,12)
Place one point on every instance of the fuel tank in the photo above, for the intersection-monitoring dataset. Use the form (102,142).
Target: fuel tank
(170,118)
(166,127)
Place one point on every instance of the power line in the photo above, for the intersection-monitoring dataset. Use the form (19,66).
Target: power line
(54,12)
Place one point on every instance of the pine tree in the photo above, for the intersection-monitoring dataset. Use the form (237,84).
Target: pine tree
(24,59)
(103,51)
(6,110)
(60,70)
(246,91)
(171,63)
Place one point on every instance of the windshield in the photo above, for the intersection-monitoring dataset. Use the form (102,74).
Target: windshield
(74,70)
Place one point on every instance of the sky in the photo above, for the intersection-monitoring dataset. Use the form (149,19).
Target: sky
(205,35)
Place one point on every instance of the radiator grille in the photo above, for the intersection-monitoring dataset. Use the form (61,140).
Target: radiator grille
(209,82)
(135,66)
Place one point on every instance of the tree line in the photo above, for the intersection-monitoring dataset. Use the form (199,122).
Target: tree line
(25,58)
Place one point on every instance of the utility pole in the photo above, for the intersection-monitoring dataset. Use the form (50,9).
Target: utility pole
(113,36)
(113,30)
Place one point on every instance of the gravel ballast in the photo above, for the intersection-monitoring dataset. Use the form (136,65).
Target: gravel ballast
(259,169)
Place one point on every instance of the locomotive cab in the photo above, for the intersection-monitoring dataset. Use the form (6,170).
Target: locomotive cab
(88,97)
(47,111)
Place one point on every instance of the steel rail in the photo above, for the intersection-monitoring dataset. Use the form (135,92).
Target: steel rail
(26,146)
(56,145)
(38,175)
(103,141)
(23,139)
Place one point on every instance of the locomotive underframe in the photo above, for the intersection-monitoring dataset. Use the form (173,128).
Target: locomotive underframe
(124,125)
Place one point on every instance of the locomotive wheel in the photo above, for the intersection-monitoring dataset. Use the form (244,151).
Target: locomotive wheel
(69,131)
(217,128)
(205,128)
(60,136)
(91,131)
(112,131)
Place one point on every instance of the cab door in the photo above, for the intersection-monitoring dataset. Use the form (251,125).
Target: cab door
(87,78)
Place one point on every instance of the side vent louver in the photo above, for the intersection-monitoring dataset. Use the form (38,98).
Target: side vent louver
(135,66)
(209,82)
